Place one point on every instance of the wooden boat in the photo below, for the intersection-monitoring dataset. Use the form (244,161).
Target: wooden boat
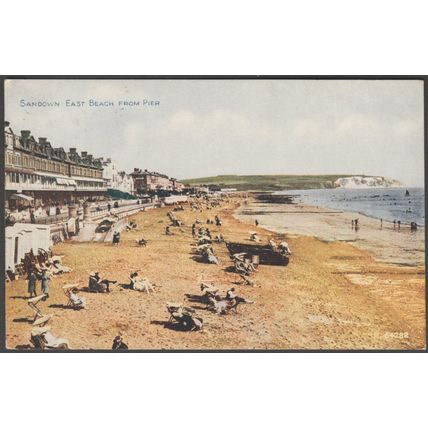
(265,253)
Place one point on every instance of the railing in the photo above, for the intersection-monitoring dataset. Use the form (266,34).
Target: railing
(99,213)
(50,219)
(104,212)
(58,218)
(116,211)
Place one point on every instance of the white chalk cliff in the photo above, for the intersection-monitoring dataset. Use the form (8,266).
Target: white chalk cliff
(363,182)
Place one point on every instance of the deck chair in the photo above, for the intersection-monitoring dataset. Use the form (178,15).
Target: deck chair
(41,322)
(144,284)
(33,302)
(67,290)
(42,338)
(184,316)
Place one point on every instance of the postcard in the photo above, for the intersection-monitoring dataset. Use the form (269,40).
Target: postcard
(214,214)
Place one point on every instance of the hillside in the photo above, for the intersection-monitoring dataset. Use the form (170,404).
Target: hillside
(268,182)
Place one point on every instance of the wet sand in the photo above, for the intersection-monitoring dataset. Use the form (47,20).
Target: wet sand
(332,295)
(396,246)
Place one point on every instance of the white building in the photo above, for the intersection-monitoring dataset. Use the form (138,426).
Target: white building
(110,173)
(125,183)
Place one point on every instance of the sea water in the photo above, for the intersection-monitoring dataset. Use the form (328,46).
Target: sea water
(388,204)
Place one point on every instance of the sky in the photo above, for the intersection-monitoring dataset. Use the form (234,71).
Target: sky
(199,128)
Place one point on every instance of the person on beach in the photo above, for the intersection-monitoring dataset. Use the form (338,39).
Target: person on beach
(32,280)
(193,230)
(398,224)
(45,282)
(141,242)
(116,238)
(395,223)
(78,302)
(168,231)
(381,223)
(230,294)
(352,223)
(284,248)
(99,285)
(256,222)
(94,279)
(118,343)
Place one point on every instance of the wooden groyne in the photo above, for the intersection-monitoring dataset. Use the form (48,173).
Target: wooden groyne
(272,198)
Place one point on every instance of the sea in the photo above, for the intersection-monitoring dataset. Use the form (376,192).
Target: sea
(388,204)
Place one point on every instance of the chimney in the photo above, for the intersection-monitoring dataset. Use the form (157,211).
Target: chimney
(84,154)
(25,134)
(109,160)
(89,157)
(73,150)
(42,140)
(6,124)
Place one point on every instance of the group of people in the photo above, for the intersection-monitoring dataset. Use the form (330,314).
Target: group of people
(35,275)
(174,220)
(204,245)
(355,224)
(218,304)
(184,316)
(396,225)
(244,268)
(281,248)
(23,213)
(216,221)
(42,268)
(413,225)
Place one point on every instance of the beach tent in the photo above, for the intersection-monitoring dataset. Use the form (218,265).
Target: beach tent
(24,237)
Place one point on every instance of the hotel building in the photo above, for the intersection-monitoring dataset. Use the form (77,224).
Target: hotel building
(39,175)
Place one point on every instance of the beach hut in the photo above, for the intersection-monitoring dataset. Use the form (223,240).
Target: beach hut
(21,238)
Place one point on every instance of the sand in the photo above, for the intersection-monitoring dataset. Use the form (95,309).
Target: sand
(332,295)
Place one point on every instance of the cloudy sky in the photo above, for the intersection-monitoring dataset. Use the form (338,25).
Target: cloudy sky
(210,127)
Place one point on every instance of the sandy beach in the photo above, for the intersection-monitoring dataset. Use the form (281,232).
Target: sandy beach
(341,289)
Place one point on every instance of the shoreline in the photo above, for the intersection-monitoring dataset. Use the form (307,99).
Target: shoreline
(326,206)
(386,244)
